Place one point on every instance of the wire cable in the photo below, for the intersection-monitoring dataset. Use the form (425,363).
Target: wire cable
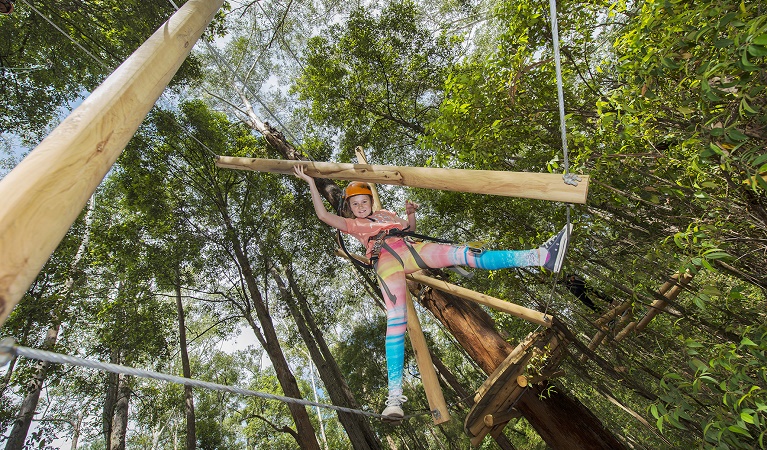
(8,349)
(95,58)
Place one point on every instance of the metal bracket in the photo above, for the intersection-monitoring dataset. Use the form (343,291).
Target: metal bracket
(571,179)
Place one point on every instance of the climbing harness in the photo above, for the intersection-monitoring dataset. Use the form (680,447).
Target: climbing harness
(409,238)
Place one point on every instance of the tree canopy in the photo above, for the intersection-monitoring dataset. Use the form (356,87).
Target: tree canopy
(176,262)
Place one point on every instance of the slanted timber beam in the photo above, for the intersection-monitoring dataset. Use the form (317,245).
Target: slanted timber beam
(44,194)
(515,310)
(540,186)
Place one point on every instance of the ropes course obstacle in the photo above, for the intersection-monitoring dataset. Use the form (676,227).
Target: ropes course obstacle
(541,186)
(47,190)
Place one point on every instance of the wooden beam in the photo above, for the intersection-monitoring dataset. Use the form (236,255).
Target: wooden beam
(45,193)
(541,186)
(364,160)
(434,395)
(670,293)
(528,314)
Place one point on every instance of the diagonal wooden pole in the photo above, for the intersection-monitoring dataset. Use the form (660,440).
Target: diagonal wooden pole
(541,186)
(45,193)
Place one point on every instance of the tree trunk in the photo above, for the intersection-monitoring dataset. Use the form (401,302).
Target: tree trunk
(357,427)
(305,434)
(191,438)
(110,401)
(561,421)
(120,418)
(76,429)
(21,425)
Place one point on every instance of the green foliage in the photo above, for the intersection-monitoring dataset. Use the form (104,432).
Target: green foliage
(729,380)
(45,73)
(377,78)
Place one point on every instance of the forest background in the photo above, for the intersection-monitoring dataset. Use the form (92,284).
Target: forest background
(173,257)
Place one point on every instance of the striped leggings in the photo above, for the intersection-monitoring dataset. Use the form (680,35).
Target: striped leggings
(399,258)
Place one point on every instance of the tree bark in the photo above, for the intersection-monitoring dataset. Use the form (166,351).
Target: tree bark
(561,421)
(191,438)
(120,418)
(76,429)
(305,434)
(110,401)
(28,406)
(357,427)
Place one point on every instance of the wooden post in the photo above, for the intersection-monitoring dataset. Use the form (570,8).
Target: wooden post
(437,405)
(541,186)
(45,193)
(363,160)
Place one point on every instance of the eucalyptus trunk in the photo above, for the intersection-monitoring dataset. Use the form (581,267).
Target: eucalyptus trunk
(357,427)
(120,417)
(28,406)
(191,433)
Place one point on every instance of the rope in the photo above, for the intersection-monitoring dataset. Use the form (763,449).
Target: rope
(9,348)
(560,90)
(103,64)
(223,63)
(568,178)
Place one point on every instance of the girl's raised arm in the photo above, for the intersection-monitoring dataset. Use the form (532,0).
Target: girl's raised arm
(323,214)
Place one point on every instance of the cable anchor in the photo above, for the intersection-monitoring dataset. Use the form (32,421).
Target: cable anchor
(571,179)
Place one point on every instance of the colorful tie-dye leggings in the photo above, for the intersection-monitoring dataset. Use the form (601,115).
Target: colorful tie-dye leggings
(399,258)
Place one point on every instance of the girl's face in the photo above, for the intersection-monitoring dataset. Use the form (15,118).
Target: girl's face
(360,205)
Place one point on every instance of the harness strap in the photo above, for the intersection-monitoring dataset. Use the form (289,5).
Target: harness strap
(418,260)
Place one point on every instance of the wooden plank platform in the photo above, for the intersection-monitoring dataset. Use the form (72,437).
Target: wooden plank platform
(495,399)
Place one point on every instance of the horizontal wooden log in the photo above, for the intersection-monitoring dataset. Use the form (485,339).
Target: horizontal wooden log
(43,195)
(540,186)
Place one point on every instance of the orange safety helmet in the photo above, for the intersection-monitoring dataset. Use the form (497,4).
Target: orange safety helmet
(357,188)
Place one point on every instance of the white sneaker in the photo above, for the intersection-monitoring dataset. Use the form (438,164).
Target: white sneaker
(393,412)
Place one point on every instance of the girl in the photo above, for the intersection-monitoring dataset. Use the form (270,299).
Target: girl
(393,257)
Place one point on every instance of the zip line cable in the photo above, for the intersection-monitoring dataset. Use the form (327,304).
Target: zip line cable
(8,349)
